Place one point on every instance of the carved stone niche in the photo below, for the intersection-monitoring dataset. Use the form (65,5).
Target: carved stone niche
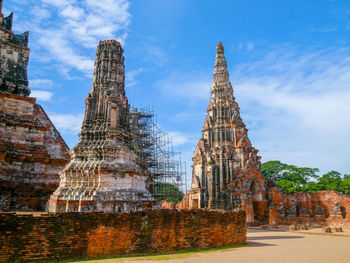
(114,116)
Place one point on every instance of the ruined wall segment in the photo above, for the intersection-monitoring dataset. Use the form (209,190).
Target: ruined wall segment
(32,152)
(82,235)
(104,174)
(322,208)
(226,168)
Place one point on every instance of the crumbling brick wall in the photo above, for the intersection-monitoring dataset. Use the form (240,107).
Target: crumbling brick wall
(324,207)
(81,235)
(32,153)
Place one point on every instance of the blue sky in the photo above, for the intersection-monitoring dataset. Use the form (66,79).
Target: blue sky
(289,63)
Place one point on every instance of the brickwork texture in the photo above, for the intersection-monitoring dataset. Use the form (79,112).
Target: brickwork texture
(32,153)
(89,235)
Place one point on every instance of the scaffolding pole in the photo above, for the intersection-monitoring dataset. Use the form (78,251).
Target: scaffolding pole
(157,157)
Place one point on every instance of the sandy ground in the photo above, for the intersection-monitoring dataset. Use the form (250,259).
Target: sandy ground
(269,247)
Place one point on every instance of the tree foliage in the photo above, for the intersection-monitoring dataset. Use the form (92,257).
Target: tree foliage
(168,192)
(293,179)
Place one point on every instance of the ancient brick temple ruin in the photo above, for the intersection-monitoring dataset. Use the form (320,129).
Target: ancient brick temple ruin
(32,151)
(104,173)
(226,168)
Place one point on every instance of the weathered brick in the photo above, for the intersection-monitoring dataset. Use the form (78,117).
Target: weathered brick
(80,235)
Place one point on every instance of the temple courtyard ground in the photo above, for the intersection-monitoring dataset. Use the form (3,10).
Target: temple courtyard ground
(311,246)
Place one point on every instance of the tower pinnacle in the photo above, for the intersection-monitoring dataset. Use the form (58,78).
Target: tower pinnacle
(220,71)
(221,88)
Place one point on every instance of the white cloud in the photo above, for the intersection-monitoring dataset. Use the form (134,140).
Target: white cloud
(130,78)
(296,106)
(313,88)
(178,138)
(68,31)
(40,13)
(40,83)
(41,95)
(67,123)
(155,55)
(58,3)
(74,13)
(249,46)
(65,53)
(40,89)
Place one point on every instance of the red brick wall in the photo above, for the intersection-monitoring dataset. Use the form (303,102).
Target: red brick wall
(81,235)
(32,153)
(324,207)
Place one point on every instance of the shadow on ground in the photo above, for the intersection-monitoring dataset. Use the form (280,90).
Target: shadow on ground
(273,237)
(258,244)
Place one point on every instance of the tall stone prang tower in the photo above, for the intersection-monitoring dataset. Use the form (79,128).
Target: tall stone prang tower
(104,174)
(14,58)
(226,168)
(32,152)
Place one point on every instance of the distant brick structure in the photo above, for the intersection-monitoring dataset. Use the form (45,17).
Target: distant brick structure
(323,208)
(89,235)
(32,152)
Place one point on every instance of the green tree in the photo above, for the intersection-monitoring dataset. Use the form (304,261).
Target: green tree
(331,181)
(167,192)
(290,178)
(313,187)
(346,184)
(293,179)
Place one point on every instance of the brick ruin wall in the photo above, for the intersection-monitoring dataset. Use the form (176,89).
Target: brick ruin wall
(323,208)
(32,153)
(89,235)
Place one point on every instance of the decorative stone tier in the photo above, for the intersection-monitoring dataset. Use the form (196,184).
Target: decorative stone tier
(104,173)
(88,235)
(32,153)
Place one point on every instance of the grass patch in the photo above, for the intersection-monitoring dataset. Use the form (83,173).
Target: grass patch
(158,256)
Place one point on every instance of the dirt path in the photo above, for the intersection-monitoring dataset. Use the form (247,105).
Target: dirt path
(267,247)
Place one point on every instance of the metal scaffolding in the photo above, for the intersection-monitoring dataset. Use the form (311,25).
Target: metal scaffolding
(157,157)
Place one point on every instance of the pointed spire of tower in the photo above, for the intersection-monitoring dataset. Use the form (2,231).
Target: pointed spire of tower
(220,72)
(8,21)
(1,3)
(224,164)
(221,87)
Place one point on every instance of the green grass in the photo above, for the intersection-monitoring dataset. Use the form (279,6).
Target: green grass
(160,256)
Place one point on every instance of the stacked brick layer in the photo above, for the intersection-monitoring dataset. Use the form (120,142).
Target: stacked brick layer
(32,153)
(78,235)
(324,207)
